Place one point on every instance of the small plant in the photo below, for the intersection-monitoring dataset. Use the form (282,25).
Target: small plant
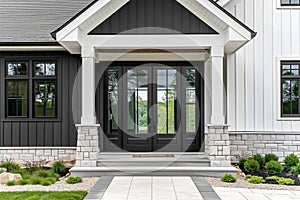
(256,180)
(274,167)
(228,178)
(271,156)
(291,160)
(51,180)
(31,170)
(285,181)
(23,182)
(11,167)
(248,176)
(43,174)
(251,165)
(35,181)
(296,169)
(73,180)
(272,178)
(241,163)
(260,159)
(45,183)
(59,168)
(11,183)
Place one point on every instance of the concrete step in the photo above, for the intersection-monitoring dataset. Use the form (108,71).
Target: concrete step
(152,171)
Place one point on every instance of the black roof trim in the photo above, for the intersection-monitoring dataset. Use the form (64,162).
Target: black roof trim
(29,44)
(253,33)
(53,34)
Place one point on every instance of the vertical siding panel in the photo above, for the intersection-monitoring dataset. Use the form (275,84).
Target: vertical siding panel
(231,92)
(24,134)
(65,101)
(240,78)
(48,133)
(15,133)
(7,133)
(32,134)
(276,53)
(72,73)
(259,58)
(40,129)
(249,68)
(57,134)
(268,68)
(286,49)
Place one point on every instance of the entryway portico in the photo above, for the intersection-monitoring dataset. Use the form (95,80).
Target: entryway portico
(223,34)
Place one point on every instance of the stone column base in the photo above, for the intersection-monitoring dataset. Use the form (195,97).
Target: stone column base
(87,146)
(218,146)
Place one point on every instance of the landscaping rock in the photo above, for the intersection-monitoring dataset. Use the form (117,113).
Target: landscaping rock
(49,163)
(69,163)
(3,169)
(21,163)
(6,177)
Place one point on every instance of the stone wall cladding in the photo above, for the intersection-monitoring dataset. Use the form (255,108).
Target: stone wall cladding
(87,146)
(247,144)
(218,146)
(37,154)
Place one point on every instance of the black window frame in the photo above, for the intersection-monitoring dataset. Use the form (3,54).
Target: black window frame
(289,78)
(31,78)
(289,4)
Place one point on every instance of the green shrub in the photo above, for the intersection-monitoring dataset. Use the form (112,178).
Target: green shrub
(296,169)
(260,159)
(45,183)
(241,163)
(51,180)
(228,178)
(272,178)
(274,167)
(291,160)
(256,180)
(43,174)
(23,182)
(31,170)
(251,165)
(285,181)
(271,156)
(73,180)
(11,167)
(59,168)
(248,176)
(11,183)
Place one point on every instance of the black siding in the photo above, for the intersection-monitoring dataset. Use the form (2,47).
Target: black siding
(60,131)
(153,13)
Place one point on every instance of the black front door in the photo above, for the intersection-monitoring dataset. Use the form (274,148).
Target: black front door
(152,107)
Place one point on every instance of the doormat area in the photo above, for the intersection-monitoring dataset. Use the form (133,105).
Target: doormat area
(153,155)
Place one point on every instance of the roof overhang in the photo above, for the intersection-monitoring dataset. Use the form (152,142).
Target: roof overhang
(74,33)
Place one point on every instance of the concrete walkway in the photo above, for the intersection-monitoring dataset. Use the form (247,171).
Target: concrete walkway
(176,188)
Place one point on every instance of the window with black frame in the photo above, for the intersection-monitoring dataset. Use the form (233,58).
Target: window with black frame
(38,78)
(290,78)
(290,2)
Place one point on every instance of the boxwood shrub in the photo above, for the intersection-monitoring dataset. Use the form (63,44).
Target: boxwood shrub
(291,160)
(228,178)
(260,159)
(274,167)
(251,165)
(271,156)
(73,180)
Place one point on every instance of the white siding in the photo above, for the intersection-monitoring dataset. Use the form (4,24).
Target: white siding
(252,71)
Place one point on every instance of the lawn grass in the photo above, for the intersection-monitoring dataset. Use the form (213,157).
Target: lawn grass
(73,195)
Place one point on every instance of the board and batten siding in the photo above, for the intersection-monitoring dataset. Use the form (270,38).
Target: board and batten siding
(252,84)
(60,131)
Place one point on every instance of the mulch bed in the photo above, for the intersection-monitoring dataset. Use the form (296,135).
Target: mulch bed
(285,174)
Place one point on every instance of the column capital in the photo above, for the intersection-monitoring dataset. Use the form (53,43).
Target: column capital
(88,52)
(217,51)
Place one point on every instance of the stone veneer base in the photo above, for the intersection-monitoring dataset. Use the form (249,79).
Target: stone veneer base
(37,153)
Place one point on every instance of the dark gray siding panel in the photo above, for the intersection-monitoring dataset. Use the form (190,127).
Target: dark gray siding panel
(60,131)
(167,14)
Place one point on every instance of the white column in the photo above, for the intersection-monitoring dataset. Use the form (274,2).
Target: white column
(88,86)
(217,89)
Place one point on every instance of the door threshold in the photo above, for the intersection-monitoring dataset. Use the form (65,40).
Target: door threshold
(158,153)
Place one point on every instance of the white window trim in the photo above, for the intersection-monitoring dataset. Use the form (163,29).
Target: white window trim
(279,6)
(278,89)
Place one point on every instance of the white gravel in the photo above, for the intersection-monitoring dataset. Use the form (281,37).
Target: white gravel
(85,185)
(241,183)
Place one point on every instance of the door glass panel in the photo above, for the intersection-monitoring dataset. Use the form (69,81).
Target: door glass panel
(113,101)
(137,101)
(166,101)
(190,101)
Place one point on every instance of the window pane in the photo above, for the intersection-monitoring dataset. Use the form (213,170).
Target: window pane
(39,107)
(286,88)
(12,89)
(295,88)
(50,107)
(22,89)
(17,68)
(45,105)
(40,69)
(22,107)
(50,69)
(294,1)
(286,103)
(190,101)
(113,101)
(45,68)
(17,98)
(295,105)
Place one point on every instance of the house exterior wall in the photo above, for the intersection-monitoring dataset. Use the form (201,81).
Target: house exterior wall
(44,132)
(253,86)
